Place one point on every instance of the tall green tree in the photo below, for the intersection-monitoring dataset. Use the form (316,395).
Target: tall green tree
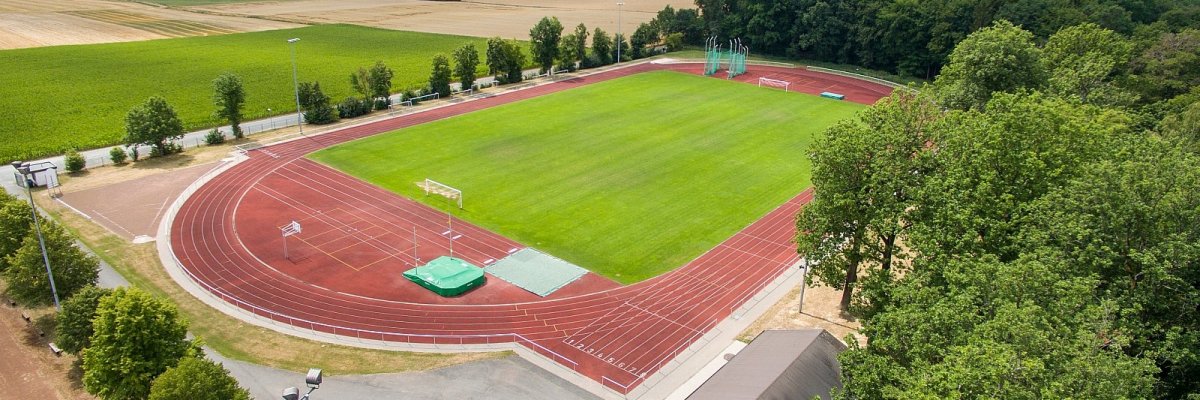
(505,60)
(566,52)
(73,268)
(865,176)
(153,123)
(1128,221)
(602,47)
(16,221)
(379,80)
(466,61)
(620,48)
(643,36)
(1169,67)
(229,97)
(1000,58)
(197,378)
(581,37)
(137,337)
(543,42)
(439,78)
(74,330)
(1083,61)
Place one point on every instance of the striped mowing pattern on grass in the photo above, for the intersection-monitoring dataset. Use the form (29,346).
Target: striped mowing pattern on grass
(628,178)
(77,96)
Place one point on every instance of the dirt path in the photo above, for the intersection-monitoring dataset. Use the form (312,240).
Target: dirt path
(25,374)
(505,18)
(37,23)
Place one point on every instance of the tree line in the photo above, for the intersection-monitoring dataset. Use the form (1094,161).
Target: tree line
(914,38)
(1026,226)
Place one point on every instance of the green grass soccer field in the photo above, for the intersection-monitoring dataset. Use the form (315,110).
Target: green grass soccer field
(629,178)
(77,96)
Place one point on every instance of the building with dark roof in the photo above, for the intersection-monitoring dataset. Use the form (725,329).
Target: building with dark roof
(779,364)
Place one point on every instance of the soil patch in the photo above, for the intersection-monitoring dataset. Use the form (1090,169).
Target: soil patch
(36,23)
(133,208)
(484,18)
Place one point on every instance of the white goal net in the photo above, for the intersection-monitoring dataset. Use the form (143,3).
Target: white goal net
(434,187)
(768,82)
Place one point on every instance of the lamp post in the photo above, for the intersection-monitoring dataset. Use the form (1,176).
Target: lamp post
(313,379)
(619,34)
(296,83)
(23,169)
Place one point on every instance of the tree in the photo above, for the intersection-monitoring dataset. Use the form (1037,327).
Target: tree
(1083,60)
(229,97)
(73,268)
(602,47)
(620,48)
(466,61)
(74,161)
(543,42)
(1000,58)
(505,60)
(315,104)
(153,123)
(360,81)
(74,330)
(16,222)
(137,337)
(644,35)
(865,176)
(581,37)
(566,52)
(197,378)
(1170,66)
(439,79)
(380,80)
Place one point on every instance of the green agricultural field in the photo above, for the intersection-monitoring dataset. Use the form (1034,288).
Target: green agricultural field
(628,178)
(77,96)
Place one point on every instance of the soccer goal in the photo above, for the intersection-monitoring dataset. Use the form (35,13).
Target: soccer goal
(768,82)
(434,187)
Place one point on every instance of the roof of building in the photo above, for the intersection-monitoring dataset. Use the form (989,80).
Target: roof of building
(779,364)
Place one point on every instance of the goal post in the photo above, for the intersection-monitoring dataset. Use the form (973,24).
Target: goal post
(768,82)
(434,187)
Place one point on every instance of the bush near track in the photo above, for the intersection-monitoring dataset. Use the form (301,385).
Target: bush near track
(628,178)
(77,96)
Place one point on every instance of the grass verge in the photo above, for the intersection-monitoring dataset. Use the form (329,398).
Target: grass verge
(628,178)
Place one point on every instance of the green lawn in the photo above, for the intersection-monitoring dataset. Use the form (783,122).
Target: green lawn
(77,96)
(628,178)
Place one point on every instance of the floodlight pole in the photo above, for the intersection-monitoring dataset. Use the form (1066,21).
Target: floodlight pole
(296,83)
(619,34)
(23,169)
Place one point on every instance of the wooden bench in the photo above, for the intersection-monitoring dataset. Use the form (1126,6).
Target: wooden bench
(54,349)
(25,317)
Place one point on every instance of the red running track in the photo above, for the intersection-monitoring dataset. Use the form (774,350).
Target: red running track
(344,273)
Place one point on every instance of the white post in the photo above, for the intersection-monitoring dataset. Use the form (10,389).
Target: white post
(619,35)
(296,83)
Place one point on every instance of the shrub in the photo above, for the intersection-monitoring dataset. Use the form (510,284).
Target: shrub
(75,161)
(133,153)
(352,107)
(214,137)
(382,103)
(117,155)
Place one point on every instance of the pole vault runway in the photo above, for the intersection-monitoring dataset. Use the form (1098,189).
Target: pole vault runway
(342,271)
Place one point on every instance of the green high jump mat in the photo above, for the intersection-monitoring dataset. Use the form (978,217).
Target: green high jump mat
(447,276)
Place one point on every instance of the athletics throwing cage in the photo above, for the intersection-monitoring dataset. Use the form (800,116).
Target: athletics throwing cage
(734,57)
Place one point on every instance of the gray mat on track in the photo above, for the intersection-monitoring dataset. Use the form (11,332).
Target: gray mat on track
(535,271)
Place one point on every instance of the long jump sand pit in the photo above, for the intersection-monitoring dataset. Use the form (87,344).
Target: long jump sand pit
(36,23)
(505,18)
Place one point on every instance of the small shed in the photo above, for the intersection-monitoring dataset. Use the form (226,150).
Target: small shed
(779,364)
(41,173)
